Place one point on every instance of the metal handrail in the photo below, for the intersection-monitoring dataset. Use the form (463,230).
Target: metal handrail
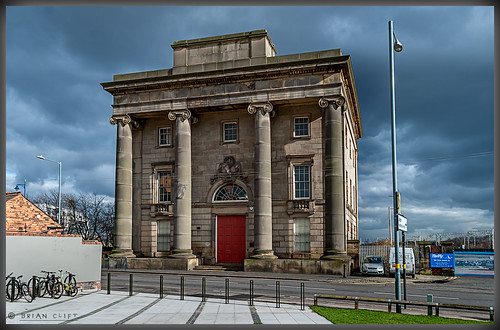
(390,302)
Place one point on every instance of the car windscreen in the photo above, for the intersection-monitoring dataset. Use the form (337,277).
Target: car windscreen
(373,260)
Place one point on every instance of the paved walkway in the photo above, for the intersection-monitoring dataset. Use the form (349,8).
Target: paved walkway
(144,308)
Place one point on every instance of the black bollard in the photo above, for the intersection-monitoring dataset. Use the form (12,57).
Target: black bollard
(203,289)
(161,286)
(131,285)
(12,290)
(182,287)
(302,297)
(251,292)
(277,294)
(227,291)
(34,287)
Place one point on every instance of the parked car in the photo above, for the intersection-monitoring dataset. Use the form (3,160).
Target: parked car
(373,265)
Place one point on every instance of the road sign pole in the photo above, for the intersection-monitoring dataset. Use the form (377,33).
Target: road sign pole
(404,266)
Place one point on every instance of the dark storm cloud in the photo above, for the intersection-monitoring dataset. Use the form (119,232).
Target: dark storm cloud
(58,56)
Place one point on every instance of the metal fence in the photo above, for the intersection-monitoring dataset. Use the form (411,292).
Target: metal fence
(429,304)
(180,290)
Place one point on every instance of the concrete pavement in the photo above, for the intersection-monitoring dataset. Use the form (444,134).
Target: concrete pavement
(98,307)
(143,308)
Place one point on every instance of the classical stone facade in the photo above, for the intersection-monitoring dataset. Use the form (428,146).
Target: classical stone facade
(235,153)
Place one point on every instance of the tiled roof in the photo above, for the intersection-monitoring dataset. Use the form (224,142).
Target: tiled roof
(22,216)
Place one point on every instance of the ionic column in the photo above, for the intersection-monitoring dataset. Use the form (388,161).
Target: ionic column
(123,187)
(334,178)
(182,183)
(263,219)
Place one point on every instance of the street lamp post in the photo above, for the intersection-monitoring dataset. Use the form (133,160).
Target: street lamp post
(60,171)
(394,45)
(24,186)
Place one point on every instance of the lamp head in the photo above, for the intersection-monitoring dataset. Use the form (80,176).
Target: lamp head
(17,187)
(41,157)
(398,46)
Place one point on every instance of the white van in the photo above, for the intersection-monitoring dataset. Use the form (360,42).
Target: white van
(409,260)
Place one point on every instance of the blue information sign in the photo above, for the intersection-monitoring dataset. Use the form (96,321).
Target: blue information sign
(442,260)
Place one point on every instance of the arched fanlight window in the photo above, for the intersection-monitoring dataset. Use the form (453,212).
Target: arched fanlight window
(230,192)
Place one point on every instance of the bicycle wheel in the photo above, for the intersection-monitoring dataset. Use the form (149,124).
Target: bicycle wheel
(8,289)
(71,288)
(26,292)
(43,288)
(57,290)
(50,287)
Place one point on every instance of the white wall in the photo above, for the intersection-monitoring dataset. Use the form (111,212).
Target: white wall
(28,255)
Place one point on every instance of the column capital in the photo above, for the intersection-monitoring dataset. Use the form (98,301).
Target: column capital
(183,114)
(126,120)
(338,101)
(265,107)
(122,119)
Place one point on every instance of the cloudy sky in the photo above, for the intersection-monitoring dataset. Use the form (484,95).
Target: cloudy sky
(56,58)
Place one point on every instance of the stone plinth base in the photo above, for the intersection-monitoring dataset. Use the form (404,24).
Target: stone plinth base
(162,263)
(299,266)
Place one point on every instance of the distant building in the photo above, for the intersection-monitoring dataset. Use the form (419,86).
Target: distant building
(236,153)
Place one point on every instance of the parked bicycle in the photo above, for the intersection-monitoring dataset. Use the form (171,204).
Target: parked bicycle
(17,288)
(46,284)
(8,288)
(69,284)
(58,286)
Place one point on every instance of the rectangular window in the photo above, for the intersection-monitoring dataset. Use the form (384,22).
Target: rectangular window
(301,235)
(301,181)
(163,236)
(301,126)
(165,187)
(230,131)
(164,136)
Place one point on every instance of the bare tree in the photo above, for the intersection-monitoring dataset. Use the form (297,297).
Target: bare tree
(88,215)
(48,203)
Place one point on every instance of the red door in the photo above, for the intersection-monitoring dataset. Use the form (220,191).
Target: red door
(231,239)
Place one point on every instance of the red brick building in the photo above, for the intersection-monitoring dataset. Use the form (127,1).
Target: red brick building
(25,218)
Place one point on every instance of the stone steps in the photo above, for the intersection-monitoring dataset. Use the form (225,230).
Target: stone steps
(219,268)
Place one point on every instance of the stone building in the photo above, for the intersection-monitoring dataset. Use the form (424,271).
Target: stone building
(235,153)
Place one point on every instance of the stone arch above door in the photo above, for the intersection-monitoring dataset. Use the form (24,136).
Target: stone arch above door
(230,192)
(239,192)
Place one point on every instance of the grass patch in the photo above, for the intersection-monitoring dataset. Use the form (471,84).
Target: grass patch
(360,316)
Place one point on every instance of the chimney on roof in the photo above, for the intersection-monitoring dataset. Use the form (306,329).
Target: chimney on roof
(253,45)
